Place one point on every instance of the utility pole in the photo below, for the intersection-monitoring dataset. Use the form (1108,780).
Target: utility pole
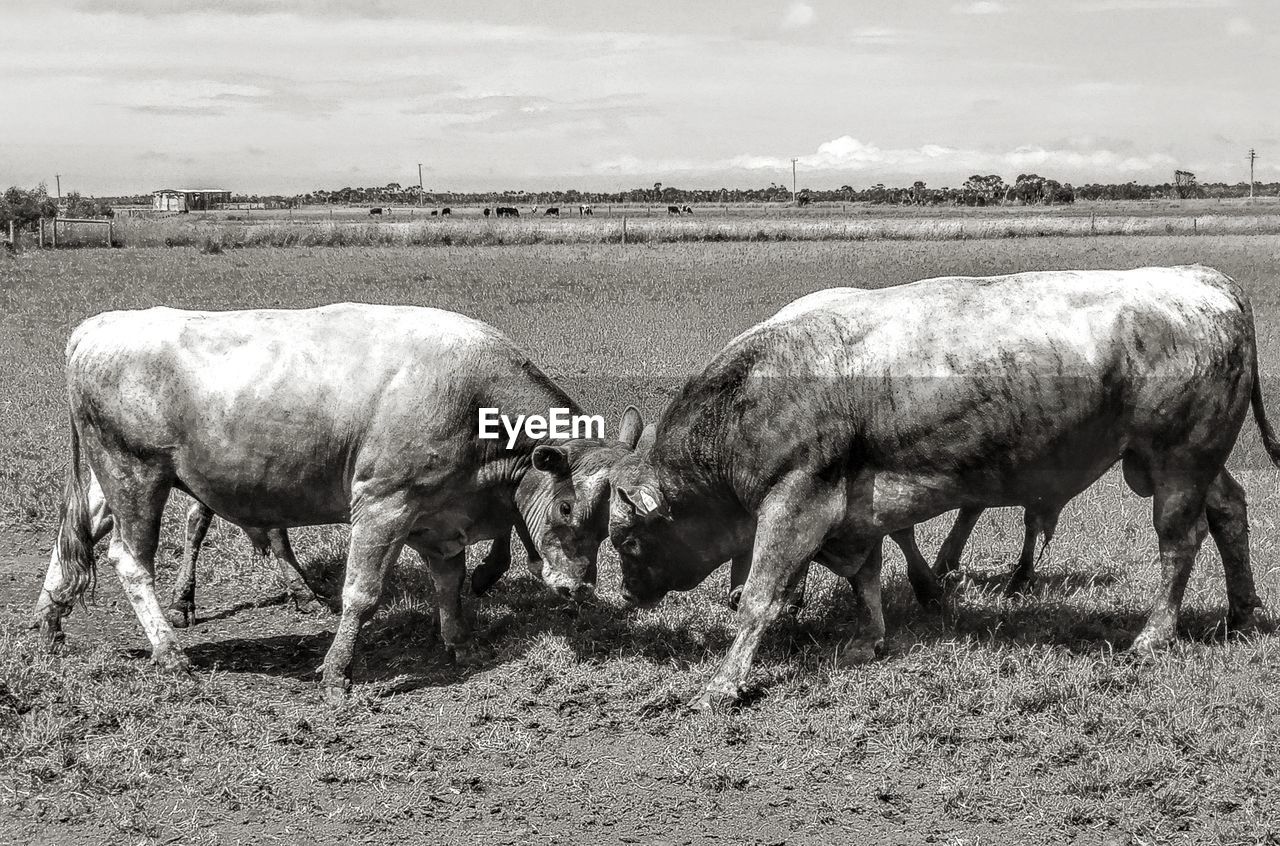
(57,178)
(1252,155)
(793,180)
(419,183)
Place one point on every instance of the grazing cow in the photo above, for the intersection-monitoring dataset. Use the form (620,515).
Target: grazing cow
(356,413)
(508,211)
(584,210)
(296,581)
(375,211)
(446,211)
(686,210)
(486,212)
(673,210)
(552,211)
(434,212)
(853,414)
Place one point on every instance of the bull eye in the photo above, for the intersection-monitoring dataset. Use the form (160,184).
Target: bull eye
(630,546)
(566,509)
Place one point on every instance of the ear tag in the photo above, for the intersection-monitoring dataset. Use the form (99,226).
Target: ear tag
(648,503)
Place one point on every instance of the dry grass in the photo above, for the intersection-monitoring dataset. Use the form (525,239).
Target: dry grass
(214,232)
(1000,722)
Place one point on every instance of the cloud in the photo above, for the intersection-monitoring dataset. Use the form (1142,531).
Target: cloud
(1240,28)
(877,36)
(507,113)
(798,16)
(848,154)
(1149,5)
(981,7)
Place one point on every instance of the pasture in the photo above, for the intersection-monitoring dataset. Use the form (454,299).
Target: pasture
(997,721)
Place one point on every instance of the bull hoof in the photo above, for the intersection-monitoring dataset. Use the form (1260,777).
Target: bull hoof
(1148,644)
(180,616)
(51,634)
(1018,588)
(470,654)
(483,579)
(712,699)
(1243,622)
(861,652)
(308,603)
(172,660)
(334,695)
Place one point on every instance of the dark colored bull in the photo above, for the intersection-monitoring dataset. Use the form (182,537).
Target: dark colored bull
(853,414)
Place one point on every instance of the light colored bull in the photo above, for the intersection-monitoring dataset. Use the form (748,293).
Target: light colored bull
(854,414)
(354,413)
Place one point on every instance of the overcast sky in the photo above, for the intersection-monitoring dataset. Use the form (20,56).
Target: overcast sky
(264,96)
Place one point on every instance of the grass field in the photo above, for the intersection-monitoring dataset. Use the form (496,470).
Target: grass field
(346,226)
(995,722)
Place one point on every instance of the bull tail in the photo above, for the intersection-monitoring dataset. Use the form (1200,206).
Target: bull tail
(1268,434)
(75,532)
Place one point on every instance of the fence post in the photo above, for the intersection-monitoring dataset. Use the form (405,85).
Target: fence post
(1092,229)
(111,233)
(55,233)
(1194,228)
(12,238)
(624,229)
(41,236)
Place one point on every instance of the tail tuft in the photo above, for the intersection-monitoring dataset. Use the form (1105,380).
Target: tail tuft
(75,533)
(1269,441)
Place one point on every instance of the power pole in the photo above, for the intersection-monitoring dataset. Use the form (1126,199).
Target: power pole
(793,180)
(1252,155)
(57,178)
(419,183)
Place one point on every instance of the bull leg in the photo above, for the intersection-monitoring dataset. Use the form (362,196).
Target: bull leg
(447,574)
(495,565)
(792,524)
(1178,515)
(49,611)
(374,548)
(532,559)
(862,568)
(182,609)
(291,575)
(948,560)
(1228,516)
(137,495)
(1024,570)
(924,582)
(740,568)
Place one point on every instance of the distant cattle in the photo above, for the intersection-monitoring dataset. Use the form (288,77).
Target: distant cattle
(686,210)
(584,209)
(552,211)
(446,211)
(673,210)
(375,211)
(486,212)
(434,212)
(508,211)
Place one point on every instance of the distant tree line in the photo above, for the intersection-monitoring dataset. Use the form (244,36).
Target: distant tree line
(977,190)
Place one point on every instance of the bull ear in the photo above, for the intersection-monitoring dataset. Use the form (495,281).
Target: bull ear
(647,437)
(551,459)
(630,427)
(642,501)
